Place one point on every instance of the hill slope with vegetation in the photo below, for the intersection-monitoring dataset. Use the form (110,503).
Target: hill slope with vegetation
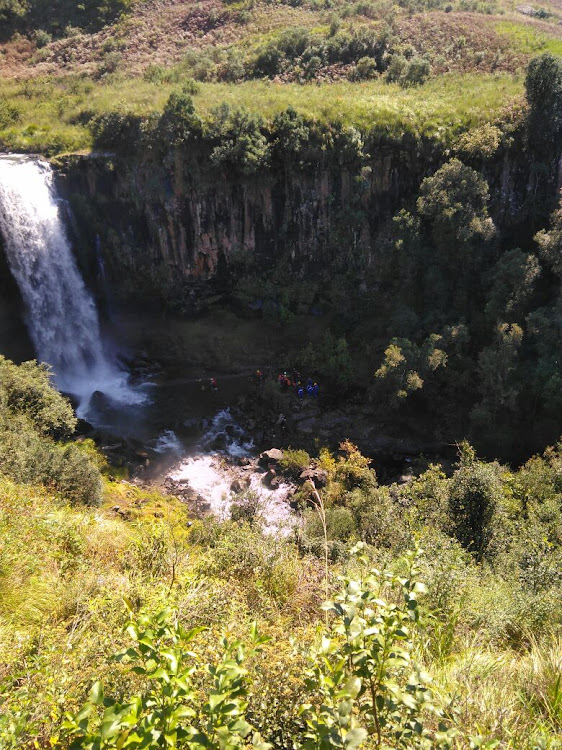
(334,60)
(127,623)
(457,643)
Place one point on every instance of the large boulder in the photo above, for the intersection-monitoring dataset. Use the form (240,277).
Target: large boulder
(272,456)
(318,476)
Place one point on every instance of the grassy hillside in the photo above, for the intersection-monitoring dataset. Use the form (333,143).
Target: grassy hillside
(462,635)
(404,67)
(487,632)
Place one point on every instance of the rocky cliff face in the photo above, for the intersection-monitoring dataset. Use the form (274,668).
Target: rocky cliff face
(181,225)
(184,223)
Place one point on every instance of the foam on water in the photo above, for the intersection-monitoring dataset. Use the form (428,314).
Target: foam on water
(210,473)
(167,442)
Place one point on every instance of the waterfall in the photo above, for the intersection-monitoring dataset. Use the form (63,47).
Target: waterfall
(61,314)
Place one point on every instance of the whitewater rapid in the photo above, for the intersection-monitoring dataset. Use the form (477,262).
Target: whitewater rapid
(211,471)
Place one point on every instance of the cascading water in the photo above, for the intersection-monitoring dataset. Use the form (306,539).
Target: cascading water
(61,314)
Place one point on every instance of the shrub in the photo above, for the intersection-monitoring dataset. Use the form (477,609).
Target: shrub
(9,113)
(233,69)
(340,525)
(32,413)
(256,561)
(298,49)
(179,123)
(30,458)
(366,68)
(396,68)
(379,520)
(247,508)
(474,493)
(291,136)
(294,461)
(353,468)
(110,63)
(42,38)
(481,142)
(170,705)
(363,680)
(240,144)
(416,72)
(26,390)
(117,130)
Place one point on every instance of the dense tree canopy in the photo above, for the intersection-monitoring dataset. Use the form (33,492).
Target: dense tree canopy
(543,86)
(54,16)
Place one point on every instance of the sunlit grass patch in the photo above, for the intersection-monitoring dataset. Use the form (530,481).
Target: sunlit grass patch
(51,115)
(528,39)
(445,104)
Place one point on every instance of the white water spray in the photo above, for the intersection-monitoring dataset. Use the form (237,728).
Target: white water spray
(211,471)
(61,314)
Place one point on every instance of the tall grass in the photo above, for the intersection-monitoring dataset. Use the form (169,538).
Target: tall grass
(529,39)
(514,698)
(52,114)
(442,105)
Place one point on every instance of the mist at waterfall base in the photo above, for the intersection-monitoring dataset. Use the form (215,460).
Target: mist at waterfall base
(61,314)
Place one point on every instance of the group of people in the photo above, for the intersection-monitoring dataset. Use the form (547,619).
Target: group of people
(286,382)
(208,385)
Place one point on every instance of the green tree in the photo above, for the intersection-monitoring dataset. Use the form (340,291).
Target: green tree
(543,87)
(454,206)
(12,13)
(512,281)
(405,366)
(240,143)
(180,123)
(291,137)
(550,243)
(474,493)
(454,202)
(500,383)
(544,336)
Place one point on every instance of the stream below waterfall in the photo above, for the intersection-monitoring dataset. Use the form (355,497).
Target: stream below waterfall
(183,430)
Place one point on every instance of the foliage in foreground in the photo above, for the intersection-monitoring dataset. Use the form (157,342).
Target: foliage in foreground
(361,682)
(33,417)
(485,631)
